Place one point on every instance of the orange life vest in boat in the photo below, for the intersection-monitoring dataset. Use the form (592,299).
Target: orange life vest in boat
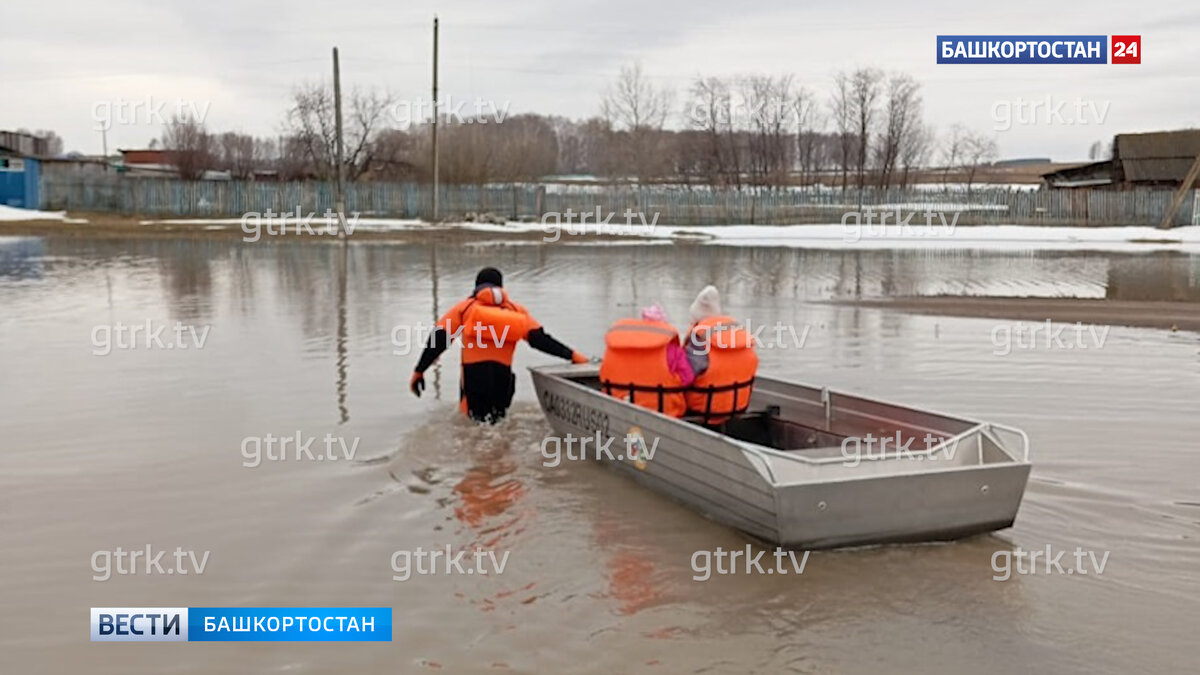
(635,366)
(489,325)
(724,389)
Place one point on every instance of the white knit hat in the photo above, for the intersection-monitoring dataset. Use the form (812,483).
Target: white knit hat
(707,303)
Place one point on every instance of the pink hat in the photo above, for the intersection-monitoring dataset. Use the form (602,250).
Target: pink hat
(654,312)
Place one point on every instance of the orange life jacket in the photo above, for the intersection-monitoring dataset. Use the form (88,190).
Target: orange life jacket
(489,326)
(635,366)
(724,389)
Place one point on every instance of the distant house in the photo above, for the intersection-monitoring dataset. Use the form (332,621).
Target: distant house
(1160,159)
(148,163)
(1153,160)
(159,163)
(75,167)
(25,144)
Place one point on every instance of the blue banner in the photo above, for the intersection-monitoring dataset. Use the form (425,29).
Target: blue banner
(1062,49)
(241,624)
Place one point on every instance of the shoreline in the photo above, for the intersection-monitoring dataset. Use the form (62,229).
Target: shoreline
(1158,314)
(107,225)
(828,236)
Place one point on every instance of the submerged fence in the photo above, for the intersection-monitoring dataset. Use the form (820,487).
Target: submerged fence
(673,204)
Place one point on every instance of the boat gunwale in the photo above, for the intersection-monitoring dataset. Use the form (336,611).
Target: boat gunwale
(766,454)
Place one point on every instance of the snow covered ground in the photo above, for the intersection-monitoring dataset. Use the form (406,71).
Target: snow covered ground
(837,236)
(590,185)
(989,237)
(917,235)
(11,214)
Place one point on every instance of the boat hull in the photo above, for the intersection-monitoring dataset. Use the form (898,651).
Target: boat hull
(786,498)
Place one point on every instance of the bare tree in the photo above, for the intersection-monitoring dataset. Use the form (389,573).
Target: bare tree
(768,101)
(637,110)
(952,151)
(966,152)
(633,102)
(367,115)
(598,154)
(915,149)
(978,150)
(764,129)
(237,154)
(190,146)
(841,107)
(293,161)
(709,112)
(310,121)
(572,145)
(808,121)
(266,154)
(865,84)
(528,147)
(519,148)
(902,118)
(396,155)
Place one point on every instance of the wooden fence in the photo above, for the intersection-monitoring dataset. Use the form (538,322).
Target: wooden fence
(671,205)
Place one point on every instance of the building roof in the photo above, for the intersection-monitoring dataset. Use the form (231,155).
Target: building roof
(147,155)
(1162,156)
(75,159)
(1082,175)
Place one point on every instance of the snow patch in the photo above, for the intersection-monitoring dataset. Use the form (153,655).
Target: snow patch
(826,236)
(13,214)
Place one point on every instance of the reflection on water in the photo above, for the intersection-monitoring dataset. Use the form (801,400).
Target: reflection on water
(486,492)
(342,358)
(435,314)
(21,257)
(141,446)
(1162,277)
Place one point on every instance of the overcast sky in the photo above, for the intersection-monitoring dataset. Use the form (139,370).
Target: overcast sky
(237,60)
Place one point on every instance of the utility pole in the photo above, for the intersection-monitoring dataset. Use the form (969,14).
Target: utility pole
(339,197)
(104,144)
(435,118)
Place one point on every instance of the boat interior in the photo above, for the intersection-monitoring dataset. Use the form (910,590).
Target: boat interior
(815,425)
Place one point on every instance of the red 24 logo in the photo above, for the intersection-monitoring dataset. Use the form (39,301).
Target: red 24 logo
(1127,49)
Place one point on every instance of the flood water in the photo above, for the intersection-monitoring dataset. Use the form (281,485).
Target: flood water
(146,446)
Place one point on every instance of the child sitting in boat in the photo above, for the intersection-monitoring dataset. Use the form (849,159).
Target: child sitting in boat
(720,352)
(645,364)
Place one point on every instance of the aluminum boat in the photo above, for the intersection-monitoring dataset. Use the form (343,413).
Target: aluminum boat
(805,466)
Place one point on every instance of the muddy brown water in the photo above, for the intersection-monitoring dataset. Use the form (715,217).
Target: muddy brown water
(144,446)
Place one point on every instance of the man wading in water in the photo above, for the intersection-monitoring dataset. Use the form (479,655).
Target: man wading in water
(491,325)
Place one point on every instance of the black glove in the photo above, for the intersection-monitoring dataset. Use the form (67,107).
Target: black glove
(416,383)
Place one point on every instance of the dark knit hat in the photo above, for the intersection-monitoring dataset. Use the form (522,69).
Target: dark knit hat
(489,275)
